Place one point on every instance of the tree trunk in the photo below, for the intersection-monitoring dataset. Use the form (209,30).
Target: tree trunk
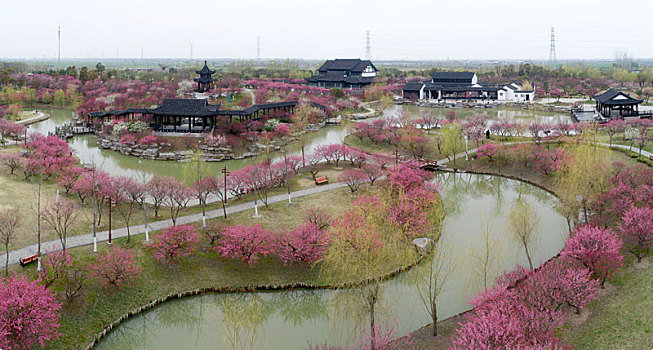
(434,316)
(528,255)
(7,261)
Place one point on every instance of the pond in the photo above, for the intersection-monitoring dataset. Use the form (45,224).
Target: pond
(85,146)
(291,319)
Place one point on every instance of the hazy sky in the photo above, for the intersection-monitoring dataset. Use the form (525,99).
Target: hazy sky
(408,29)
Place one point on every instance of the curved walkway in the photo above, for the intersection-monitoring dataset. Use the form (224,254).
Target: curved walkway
(87,239)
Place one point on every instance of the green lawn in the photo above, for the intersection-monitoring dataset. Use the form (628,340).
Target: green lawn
(81,320)
(622,320)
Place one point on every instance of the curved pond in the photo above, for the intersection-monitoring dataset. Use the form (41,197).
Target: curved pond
(291,319)
(86,149)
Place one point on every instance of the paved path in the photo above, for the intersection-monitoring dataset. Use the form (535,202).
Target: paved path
(628,148)
(87,239)
(39,117)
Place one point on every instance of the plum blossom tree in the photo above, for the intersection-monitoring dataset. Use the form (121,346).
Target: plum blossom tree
(129,195)
(486,150)
(55,267)
(636,227)
(245,243)
(175,243)
(28,314)
(305,244)
(115,268)
(373,172)
(157,189)
(354,178)
(614,127)
(597,249)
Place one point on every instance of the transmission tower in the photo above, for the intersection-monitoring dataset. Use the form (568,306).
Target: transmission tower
(368,47)
(258,50)
(59,44)
(191,50)
(552,48)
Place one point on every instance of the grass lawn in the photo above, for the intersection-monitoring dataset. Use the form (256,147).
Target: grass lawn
(622,320)
(84,318)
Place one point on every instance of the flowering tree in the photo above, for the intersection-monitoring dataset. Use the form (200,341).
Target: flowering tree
(9,222)
(486,150)
(636,227)
(318,217)
(354,178)
(175,243)
(313,163)
(614,127)
(69,176)
(305,244)
(129,196)
(8,128)
(332,153)
(28,314)
(55,267)
(60,215)
(115,267)
(373,172)
(177,197)
(157,189)
(245,243)
(48,154)
(597,249)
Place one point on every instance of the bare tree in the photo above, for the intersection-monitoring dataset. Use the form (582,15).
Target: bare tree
(431,279)
(60,215)
(523,221)
(482,258)
(9,221)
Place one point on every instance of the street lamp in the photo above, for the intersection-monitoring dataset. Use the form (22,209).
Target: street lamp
(110,202)
(466,149)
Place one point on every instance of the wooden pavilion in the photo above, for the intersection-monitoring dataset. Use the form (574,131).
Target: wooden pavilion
(616,104)
(205,80)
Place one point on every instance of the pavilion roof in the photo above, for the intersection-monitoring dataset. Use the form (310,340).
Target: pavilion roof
(205,70)
(185,107)
(614,97)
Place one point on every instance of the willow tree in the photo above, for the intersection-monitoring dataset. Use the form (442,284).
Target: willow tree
(451,140)
(431,278)
(194,172)
(585,176)
(363,249)
(523,222)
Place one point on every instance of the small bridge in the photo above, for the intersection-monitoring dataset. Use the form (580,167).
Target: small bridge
(429,165)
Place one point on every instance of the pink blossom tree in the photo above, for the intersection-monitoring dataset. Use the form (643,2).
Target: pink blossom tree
(486,150)
(305,244)
(115,267)
(245,243)
(28,314)
(55,267)
(129,196)
(177,198)
(157,189)
(614,127)
(636,227)
(69,177)
(597,249)
(175,243)
(353,178)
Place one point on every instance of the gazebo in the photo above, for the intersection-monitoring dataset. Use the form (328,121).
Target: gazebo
(616,104)
(204,81)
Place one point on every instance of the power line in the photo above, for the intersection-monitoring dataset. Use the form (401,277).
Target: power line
(552,48)
(368,47)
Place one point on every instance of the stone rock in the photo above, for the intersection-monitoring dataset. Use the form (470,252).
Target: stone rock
(423,244)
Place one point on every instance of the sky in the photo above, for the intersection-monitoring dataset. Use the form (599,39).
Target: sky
(399,30)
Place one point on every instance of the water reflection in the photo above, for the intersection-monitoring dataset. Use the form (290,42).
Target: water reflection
(476,224)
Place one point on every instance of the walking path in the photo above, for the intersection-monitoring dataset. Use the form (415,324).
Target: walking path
(87,239)
(39,117)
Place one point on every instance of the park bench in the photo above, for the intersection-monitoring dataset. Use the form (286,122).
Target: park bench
(321,180)
(27,260)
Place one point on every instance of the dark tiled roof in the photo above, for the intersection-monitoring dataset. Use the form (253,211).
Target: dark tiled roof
(205,70)
(255,108)
(203,79)
(352,65)
(413,86)
(452,76)
(607,98)
(336,76)
(185,107)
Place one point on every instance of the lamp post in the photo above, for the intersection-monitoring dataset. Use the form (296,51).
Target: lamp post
(224,197)
(466,150)
(109,198)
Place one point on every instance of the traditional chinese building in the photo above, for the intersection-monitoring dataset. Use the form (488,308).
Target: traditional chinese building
(617,104)
(344,73)
(465,85)
(205,81)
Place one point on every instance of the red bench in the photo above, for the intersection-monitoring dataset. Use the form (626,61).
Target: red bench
(321,180)
(27,260)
